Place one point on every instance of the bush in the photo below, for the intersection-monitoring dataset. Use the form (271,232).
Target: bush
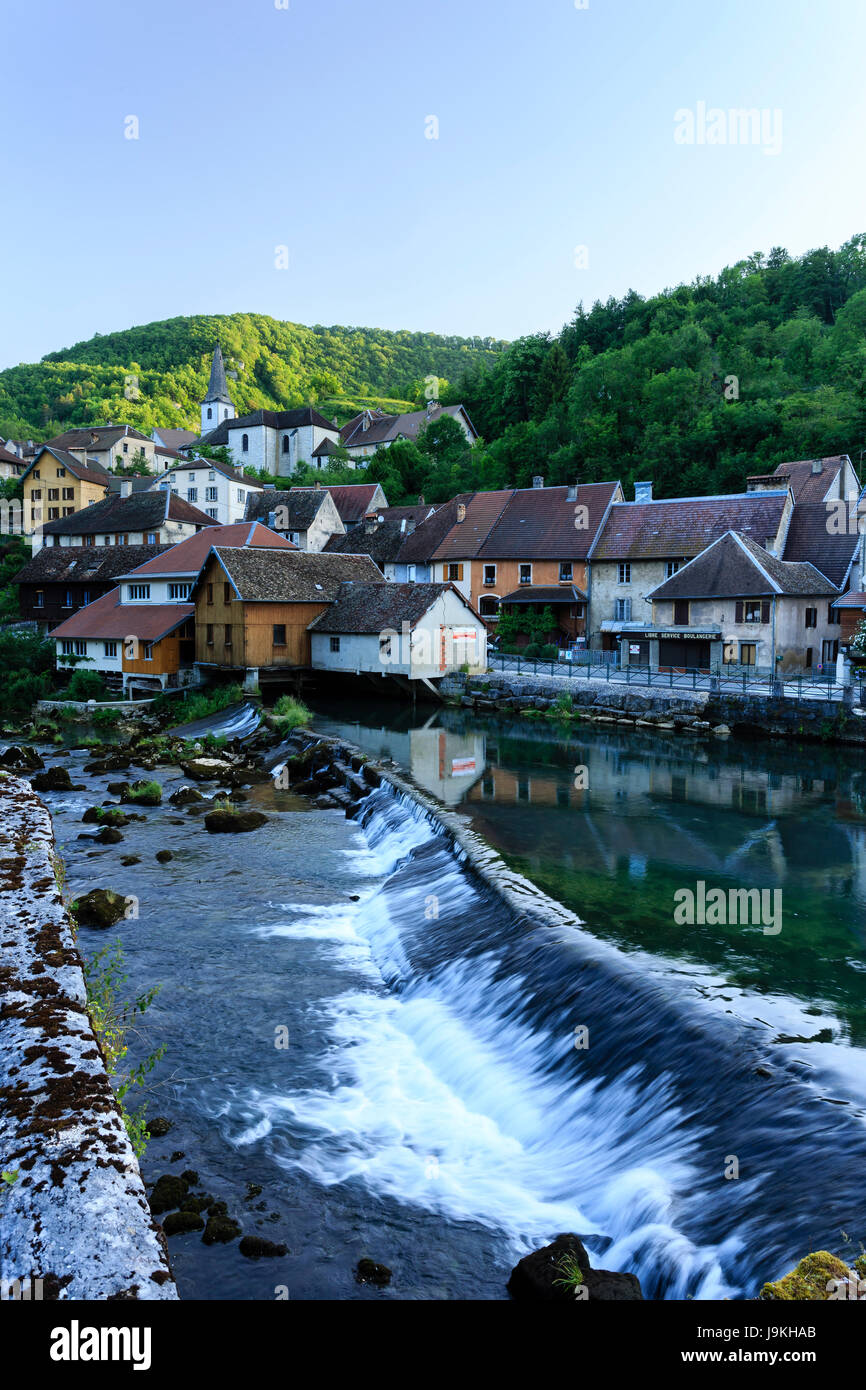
(148,792)
(26,669)
(289,712)
(532,652)
(200,705)
(86,685)
(550,651)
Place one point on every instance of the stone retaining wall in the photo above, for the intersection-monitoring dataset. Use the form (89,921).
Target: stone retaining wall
(76,1216)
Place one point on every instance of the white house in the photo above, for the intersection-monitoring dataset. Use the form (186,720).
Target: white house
(373,429)
(307,515)
(415,631)
(219,491)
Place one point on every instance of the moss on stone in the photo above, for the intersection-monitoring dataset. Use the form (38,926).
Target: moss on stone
(809,1281)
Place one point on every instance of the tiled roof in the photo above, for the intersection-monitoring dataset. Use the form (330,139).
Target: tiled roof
(684,526)
(194,465)
(143,511)
(140,483)
(57,563)
(382,542)
(811,536)
(546,593)
(72,465)
(273,419)
(293,576)
(366,608)
(383,429)
(187,557)
(854,598)
(806,485)
(735,567)
(108,617)
(353,501)
(539,523)
(302,504)
(421,546)
(175,438)
(96,437)
(465,539)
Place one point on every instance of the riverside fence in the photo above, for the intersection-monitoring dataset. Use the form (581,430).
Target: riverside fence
(743,680)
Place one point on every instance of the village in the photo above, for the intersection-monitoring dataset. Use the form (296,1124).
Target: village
(191,570)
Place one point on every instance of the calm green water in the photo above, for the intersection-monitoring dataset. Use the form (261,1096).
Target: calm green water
(614,823)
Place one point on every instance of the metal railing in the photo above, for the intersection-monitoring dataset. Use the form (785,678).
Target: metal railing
(739,680)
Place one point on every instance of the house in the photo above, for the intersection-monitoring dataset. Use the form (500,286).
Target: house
(220,491)
(171,438)
(373,429)
(354,501)
(253,608)
(642,543)
(56,484)
(419,631)
(58,580)
(307,515)
(444,547)
(132,518)
(11,465)
(106,445)
(380,536)
(535,554)
(812,480)
(140,634)
(736,604)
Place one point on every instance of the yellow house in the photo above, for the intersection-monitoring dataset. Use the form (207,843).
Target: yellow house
(56,485)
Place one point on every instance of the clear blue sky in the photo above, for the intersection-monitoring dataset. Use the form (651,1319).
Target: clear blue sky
(305,127)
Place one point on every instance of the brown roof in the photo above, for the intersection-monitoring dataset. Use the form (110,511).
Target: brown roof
(855,598)
(421,546)
(353,501)
(175,439)
(735,567)
(546,593)
(811,538)
(7,457)
(539,523)
(383,428)
(187,557)
(106,437)
(60,563)
(108,617)
(464,539)
(684,526)
(383,541)
(292,576)
(806,485)
(302,505)
(142,511)
(364,608)
(71,464)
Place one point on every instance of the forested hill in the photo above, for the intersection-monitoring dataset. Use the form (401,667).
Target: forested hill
(693,388)
(278,365)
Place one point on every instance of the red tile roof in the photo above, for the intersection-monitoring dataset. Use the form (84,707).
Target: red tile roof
(187,557)
(806,485)
(353,501)
(684,526)
(465,538)
(108,617)
(539,523)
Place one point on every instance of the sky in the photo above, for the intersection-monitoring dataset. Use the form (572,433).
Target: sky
(473,168)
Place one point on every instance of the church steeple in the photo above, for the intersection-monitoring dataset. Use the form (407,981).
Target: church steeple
(217,404)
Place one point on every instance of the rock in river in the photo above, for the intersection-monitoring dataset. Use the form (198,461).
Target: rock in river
(233,822)
(100,908)
(559,1272)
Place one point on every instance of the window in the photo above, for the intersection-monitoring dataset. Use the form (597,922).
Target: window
(245,443)
(671,567)
(681,612)
(69,494)
(808,656)
(526,574)
(489,574)
(566,571)
(748,653)
(335,644)
(109,649)
(53,513)
(212,511)
(240,492)
(190,477)
(209,413)
(54,494)
(211,494)
(138,591)
(453,571)
(285,445)
(75,647)
(228,634)
(210,634)
(85,598)
(210,593)
(622,610)
(36,495)
(39,600)
(279,634)
(179,591)
(126,448)
(67,599)
(192,494)
(148,652)
(68,511)
(152,538)
(625,573)
(88,540)
(61,472)
(211,475)
(227,593)
(752,610)
(410,574)
(829,649)
(385,651)
(488,606)
(811,617)
(121,540)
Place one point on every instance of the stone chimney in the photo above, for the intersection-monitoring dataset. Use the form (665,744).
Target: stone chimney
(420,499)
(643,492)
(817,465)
(126,487)
(571,495)
(461,511)
(538,481)
(272,521)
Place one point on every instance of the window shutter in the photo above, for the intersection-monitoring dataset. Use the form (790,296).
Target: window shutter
(459,571)
(738,614)
(765,611)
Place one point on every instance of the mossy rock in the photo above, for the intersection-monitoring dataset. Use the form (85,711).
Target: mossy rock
(168,1192)
(185,796)
(233,822)
(159,1125)
(179,1221)
(100,908)
(220,1230)
(369,1272)
(809,1281)
(256,1248)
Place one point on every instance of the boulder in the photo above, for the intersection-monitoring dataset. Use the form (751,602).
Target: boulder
(178,1221)
(255,1248)
(143,793)
(206,769)
(54,779)
(558,1272)
(185,796)
(99,816)
(164,855)
(129,859)
(168,1192)
(158,1126)
(15,756)
(233,822)
(100,908)
(369,1272)
(220,1229)
(813,1280)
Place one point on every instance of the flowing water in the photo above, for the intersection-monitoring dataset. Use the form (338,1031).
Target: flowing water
(432,1109)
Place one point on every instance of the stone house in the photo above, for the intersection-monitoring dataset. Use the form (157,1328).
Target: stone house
(56,484)
(308,516)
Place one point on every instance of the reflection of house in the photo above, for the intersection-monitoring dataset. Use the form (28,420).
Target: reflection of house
(307,515)
(420,631)
(446,763)
(737,604)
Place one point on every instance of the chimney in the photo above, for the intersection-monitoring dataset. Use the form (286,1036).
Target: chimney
(272,521)
(420,499)
(571,495)
(461,511)
(371,524)
(125,487)
(817,465)
(269,487)
(538,481)
(643,492)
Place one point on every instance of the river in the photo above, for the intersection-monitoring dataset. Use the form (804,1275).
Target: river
(431,1110)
